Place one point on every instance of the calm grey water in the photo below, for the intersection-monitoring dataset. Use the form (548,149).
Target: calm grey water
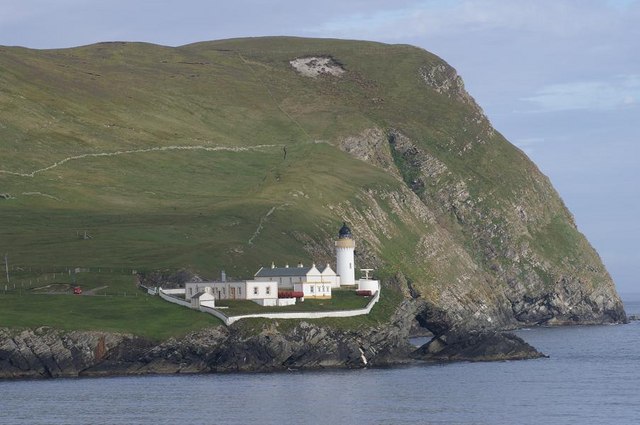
(592,377)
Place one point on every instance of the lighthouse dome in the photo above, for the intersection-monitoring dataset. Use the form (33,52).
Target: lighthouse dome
(344,232)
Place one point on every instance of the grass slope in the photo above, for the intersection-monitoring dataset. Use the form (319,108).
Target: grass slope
(137,313)
(175,157)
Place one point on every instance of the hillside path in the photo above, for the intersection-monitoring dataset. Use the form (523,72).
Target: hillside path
(134,151)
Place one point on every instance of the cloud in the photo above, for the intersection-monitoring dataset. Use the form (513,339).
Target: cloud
(562,18)
(619,92)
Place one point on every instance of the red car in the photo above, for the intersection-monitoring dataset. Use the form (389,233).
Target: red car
(77,290)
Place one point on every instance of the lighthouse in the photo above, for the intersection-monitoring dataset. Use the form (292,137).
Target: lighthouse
(344,256)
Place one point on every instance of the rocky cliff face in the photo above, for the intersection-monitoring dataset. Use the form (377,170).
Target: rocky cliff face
(501,249)
(46,352)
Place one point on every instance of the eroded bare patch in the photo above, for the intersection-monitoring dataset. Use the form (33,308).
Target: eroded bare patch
(313,66)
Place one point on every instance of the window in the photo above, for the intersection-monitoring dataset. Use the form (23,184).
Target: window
(190,291)
(255,290)
(311,288)
(268,290)
(349,266)
(239,290)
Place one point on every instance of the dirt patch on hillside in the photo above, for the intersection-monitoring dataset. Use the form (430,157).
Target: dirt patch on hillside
(313,66)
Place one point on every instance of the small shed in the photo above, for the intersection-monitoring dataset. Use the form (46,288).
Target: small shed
(204,298)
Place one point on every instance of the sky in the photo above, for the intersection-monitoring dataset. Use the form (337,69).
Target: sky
(559,78)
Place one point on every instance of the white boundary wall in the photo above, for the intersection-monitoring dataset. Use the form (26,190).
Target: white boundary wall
(302,315)
(165,295)
(173,291)
(228,320)
(216,313)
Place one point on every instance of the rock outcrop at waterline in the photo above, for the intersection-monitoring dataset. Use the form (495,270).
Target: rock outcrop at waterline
(476,346)
(50,353)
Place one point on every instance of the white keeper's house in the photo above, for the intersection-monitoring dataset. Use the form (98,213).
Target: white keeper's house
(310,282)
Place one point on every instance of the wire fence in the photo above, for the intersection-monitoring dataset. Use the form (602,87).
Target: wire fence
(30,269)
(98,281)
(29,292)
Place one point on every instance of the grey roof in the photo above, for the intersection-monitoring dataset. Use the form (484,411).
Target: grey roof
(198,294)
(282,271)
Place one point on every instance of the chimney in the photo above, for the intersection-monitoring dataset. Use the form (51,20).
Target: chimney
(300,264)
(286,266)
(273,265)
(223,276)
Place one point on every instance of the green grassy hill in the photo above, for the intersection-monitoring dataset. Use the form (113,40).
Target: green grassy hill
(220,155)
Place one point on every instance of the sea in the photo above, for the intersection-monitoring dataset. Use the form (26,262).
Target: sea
(592,376)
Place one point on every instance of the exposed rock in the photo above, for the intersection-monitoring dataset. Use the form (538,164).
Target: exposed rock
(371,145)
(444,79)
(476,346)
(314,66)
(506,243)
(502,278)
(49,353)
(46,352)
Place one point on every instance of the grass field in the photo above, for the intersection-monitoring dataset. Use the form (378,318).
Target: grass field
(135,313)
(380,314)
(98,281)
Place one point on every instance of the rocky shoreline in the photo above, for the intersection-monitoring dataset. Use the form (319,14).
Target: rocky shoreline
(51,353)
(273,345)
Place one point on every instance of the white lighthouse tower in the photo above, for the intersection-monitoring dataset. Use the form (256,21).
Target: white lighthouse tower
(344,256)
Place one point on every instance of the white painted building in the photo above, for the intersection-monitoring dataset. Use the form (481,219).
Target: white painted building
(263,293)
(367,284)
(203,298)
(243,290)
(330,277)
(314,289)
(285,276)
(345,246)
(312,282)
